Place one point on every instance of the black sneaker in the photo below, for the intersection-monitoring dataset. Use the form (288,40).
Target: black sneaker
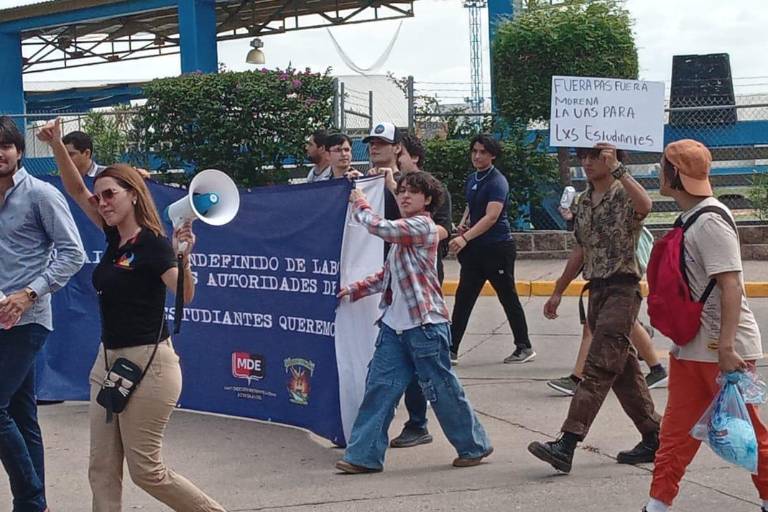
(410,437)
(657,378)
(520,355)
(557,453)
(643,452)
(565,385)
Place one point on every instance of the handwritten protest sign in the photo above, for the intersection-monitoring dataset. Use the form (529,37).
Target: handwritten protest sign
(626,113)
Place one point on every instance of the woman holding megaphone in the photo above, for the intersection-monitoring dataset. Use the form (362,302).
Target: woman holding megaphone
(138,265)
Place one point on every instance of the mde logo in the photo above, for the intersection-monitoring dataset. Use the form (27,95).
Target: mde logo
(299,375)
(248,366)
(379,129)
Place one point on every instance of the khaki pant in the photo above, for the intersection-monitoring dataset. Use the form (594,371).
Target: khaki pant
(612,363)
(136,436)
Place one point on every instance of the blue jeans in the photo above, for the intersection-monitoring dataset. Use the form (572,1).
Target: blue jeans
(416,405)
(21,443)
(422,351)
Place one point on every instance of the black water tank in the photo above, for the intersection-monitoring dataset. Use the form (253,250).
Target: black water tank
(698,81)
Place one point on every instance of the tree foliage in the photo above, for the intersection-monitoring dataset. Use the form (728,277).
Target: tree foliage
(530,172)
(582,38)
(758,194)
(109,133)
(247,124)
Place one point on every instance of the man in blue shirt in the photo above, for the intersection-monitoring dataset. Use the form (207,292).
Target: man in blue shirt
(34,220)
(486,251)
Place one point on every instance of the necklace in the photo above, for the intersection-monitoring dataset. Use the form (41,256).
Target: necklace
(478,180)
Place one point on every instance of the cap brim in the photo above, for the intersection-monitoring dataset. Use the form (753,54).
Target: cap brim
(696,187)
(371,137)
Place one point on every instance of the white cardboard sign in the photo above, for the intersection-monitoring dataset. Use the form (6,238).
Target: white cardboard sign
(626,113)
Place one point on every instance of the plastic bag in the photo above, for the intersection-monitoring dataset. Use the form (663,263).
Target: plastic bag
(726,427)
(752,387)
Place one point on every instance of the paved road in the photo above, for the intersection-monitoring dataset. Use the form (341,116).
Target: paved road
(251,466)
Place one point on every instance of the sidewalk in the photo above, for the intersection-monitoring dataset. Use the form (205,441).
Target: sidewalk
(537,278)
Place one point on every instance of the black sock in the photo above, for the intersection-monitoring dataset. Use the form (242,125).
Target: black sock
(575,378)
(657,368)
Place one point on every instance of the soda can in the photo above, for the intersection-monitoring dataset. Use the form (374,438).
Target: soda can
(566,200)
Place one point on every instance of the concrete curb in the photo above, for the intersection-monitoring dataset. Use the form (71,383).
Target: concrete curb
(545,288)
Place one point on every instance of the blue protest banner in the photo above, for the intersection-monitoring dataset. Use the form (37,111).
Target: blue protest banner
(258,341)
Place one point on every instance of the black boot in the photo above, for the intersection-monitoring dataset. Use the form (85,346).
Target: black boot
(558,453)
(643,452)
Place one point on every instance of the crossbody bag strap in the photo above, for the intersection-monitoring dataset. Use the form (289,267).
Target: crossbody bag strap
(157,344)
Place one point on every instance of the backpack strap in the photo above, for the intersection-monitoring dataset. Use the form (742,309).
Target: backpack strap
(686,225)
(707,209)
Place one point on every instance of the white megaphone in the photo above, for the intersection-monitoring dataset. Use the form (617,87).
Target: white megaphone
(212,197)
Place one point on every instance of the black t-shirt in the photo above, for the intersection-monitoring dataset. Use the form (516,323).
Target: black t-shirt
(131,290)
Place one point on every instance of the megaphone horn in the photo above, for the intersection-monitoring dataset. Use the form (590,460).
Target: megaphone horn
(212,197)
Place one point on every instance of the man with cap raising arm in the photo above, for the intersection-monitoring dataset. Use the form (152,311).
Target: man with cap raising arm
(728,338)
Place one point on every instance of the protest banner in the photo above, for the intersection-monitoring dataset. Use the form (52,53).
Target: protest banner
(260,338)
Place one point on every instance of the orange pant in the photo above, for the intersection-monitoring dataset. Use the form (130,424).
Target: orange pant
(692,388)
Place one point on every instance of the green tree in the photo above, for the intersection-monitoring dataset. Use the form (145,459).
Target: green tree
(580,38)
(247,124)
(109,133)
(530,171)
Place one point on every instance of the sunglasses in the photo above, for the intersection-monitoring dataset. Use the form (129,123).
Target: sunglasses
(107,195)
(593,153)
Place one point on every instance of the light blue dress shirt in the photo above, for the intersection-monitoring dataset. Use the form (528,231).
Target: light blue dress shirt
(40,247)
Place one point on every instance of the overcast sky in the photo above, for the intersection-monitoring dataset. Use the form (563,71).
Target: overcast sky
(434,45)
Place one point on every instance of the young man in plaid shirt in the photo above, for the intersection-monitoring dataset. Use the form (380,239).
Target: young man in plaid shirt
(414,337)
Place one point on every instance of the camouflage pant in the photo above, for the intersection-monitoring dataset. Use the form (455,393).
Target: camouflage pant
(612,363)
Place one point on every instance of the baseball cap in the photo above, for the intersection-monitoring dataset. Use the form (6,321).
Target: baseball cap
(692,160)
(384,131)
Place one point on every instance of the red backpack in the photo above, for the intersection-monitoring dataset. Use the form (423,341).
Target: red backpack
(671,307)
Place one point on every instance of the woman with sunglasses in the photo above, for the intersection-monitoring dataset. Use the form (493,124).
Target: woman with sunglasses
(138,265)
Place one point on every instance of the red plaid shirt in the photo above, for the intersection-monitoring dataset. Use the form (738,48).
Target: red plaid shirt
(411,261)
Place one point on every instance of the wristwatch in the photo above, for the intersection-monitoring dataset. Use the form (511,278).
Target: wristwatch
(619,172)
(31,294)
